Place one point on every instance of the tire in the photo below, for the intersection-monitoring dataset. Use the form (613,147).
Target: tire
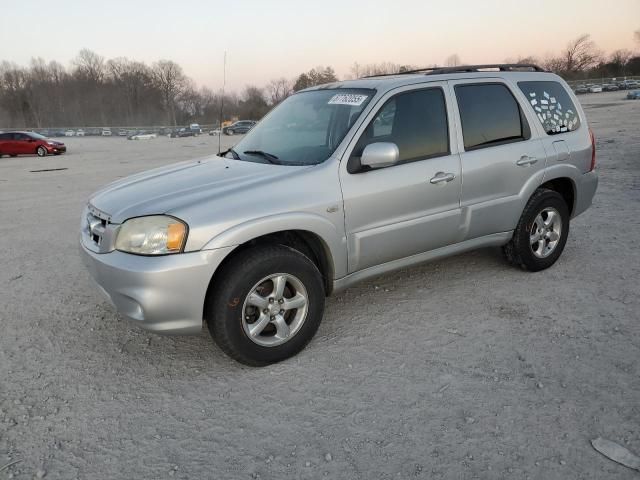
(230,313)
(542,232)
(230,133)
(41,151)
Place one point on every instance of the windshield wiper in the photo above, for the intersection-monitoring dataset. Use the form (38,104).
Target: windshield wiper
(232,152)
(270,157)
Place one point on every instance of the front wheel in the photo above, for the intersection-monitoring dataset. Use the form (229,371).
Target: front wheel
(41,151)
(265,305)
(542,232)
(230,132)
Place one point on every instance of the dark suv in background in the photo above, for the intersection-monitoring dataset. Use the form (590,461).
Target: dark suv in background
(242,126)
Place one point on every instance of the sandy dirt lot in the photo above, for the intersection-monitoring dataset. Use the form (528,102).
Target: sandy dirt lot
(464,368)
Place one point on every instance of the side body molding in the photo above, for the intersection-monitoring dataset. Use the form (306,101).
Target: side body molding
(334,242)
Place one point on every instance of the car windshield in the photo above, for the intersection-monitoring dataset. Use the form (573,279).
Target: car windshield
(305,129)
(37,136)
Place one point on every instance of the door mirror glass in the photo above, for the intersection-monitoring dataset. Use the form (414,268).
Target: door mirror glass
(380,154)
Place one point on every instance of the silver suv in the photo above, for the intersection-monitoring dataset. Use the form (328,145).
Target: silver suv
(337,184)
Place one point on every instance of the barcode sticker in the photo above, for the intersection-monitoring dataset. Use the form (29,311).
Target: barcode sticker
(348,99)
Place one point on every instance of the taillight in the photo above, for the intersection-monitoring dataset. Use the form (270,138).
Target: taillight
(593,151)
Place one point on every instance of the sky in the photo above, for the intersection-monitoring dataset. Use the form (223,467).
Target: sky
(282,38)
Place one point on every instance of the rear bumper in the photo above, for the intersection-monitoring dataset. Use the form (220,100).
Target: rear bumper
(163,294)
(585,191)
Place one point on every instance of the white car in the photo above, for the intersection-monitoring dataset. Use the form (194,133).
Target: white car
(106,132)
(69,133)
(122,133)
(214,132)
(80,133)
(143,136)
(595,89)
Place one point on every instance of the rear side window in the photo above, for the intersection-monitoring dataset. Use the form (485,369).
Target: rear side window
(415,121)
(490,116)
(553,106)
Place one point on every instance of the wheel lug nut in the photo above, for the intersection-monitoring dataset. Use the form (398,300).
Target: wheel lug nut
(271,300)
(281,301)
(281,312)
(266,310)
(273,317)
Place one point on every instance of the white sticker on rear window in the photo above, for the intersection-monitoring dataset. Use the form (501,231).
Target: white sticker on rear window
(348,99)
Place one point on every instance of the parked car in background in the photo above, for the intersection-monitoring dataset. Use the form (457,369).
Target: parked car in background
(214,132)
(122,133)
(106,132)
(194,127)
(80,133)
(184,132)
(635,95)
(241,126)
(460,161)
(628,84)
(580,89)
(595,88)
(29,143)
(69,133)
(610,87)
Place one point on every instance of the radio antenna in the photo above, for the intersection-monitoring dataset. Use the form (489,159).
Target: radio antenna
(224,84)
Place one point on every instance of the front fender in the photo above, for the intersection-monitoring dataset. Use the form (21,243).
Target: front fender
(334,241)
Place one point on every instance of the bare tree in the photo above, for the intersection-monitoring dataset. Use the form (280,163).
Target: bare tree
(452,61)
(580,54)
(90,65)
(636,35)
(279,89)
(170,80)
(371,69)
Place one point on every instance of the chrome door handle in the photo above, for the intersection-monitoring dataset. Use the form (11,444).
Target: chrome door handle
(526,160)
(442,177)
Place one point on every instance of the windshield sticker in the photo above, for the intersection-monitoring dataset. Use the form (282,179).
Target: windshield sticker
(348,99)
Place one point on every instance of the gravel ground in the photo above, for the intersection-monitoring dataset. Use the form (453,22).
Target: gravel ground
(463,368)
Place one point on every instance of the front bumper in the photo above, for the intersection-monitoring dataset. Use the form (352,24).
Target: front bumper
(56,148)
(164,294)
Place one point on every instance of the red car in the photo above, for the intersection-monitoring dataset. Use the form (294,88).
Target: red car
(28,143)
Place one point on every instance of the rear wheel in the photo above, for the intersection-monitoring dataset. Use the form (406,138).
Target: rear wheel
(542,232)
(266,304)
(41,151)
(230,132)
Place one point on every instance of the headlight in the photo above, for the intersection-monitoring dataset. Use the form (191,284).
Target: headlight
(50,143)
(153,235)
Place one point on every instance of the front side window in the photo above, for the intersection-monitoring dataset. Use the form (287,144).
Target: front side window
(305,129)
(553,106)
(490,116)
(415,121)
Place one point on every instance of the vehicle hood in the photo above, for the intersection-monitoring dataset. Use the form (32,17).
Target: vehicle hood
(170,189)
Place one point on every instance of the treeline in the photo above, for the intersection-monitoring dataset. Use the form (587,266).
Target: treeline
(96,92)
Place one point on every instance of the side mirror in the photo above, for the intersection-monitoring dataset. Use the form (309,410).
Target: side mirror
(380,154)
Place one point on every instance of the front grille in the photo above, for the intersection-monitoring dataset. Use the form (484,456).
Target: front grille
(98,229)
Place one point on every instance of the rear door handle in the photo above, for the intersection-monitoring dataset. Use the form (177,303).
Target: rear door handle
(526,160)
(442,177)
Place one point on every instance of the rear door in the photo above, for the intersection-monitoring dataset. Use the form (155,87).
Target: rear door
(413,206)
(23,144)
(499,154)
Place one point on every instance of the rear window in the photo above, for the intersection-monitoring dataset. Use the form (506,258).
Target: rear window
(553,106)
(490,116)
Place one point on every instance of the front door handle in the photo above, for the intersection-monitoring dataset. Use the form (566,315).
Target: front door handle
(526,160)
(442,177)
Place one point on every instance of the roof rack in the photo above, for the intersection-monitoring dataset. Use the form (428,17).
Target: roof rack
(502,67)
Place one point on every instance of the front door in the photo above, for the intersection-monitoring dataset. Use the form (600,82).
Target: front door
(413,206)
